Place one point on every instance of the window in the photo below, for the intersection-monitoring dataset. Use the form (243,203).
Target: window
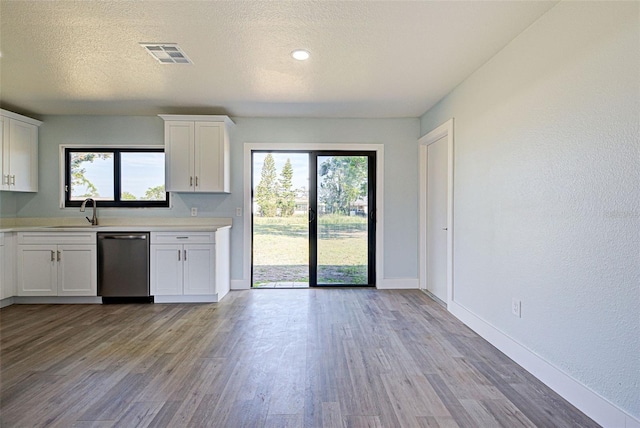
(118,177)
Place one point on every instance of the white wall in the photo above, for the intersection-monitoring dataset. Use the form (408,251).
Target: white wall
(547,193)
(398,136)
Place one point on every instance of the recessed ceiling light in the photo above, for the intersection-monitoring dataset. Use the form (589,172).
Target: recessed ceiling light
(167,53)
(300,54)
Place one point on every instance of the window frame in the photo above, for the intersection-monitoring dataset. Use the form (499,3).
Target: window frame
(117,202)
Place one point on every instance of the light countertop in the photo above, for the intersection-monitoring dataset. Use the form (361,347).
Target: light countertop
(117,225)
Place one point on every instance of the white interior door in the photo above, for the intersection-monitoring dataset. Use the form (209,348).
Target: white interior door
(437,173)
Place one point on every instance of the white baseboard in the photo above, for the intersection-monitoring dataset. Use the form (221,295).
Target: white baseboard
(240,284)
(398,284)
(6,302)
(589,402)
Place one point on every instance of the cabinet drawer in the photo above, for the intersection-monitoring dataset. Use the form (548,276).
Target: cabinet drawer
(182,238)
(56,238)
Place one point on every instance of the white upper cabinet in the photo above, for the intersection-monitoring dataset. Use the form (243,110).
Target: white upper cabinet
(197,153)
(18,152)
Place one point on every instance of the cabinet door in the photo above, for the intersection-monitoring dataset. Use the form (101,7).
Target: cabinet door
(4,153)
(179,156)
(166,270)
(198,269)
(23,156)
(3,282)
(209,160)
(7,266)
(37,270)
(77,273)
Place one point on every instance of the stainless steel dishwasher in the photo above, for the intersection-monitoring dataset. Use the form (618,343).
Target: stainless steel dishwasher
(123,267)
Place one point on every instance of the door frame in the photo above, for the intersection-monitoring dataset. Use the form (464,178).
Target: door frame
(444,130)
(249,147)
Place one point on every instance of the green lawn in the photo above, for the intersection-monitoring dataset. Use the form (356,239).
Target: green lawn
(283,242)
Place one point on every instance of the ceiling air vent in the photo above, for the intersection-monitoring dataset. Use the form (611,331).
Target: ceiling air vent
(167,53)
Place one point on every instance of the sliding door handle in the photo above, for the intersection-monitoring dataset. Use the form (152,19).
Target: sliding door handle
(312,215)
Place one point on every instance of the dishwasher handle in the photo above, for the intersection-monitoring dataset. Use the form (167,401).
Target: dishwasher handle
(122,237)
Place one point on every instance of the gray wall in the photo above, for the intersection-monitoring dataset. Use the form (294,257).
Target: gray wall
(401,170)
(547,195)
(8,205)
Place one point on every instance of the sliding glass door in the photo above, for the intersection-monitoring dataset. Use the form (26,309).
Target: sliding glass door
(341,219)
(313,219)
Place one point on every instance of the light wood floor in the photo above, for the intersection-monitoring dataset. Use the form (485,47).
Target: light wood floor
(274,358)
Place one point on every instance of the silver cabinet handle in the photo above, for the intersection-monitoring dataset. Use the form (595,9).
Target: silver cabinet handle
(196,181)
(13,180)
(190,181)
(179,255)
(445,228)
(182,237)
(185,255)
(58,255)
(5,179)
(53,256)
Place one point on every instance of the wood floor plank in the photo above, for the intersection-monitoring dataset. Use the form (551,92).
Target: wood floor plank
(284,421)
(140,414)
(507,414)
(331,358)
(331,416)
(433,422)
(165,414)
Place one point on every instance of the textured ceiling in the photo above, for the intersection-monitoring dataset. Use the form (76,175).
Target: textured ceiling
(368,58)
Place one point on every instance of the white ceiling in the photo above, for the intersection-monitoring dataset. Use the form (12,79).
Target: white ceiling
(368,58)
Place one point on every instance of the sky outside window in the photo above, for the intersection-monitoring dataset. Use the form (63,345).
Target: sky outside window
(92,176)
(142,176)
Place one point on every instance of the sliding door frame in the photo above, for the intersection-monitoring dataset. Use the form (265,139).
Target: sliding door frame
(371,215)
(245,283)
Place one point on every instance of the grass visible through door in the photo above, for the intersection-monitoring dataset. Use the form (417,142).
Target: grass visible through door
(281,250)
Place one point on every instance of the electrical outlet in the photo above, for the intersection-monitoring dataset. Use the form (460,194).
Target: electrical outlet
(516,308)
(194,212)
(238,212)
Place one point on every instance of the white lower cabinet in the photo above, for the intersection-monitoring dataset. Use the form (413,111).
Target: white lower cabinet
(3,265)
(7,266)
(51,269)
(183,269)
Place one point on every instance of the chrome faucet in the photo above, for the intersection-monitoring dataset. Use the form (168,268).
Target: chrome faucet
(93,220)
